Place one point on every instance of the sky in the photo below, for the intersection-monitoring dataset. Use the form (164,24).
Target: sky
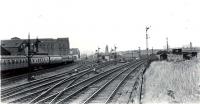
(90,24)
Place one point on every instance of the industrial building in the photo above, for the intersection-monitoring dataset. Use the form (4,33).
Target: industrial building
(17,46)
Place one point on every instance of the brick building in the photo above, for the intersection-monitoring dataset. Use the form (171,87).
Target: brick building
(17,46)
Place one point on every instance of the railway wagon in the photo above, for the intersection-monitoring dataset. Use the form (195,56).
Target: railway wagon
(187,53)
(12,63)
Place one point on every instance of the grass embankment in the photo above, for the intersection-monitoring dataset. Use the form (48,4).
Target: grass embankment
(172,82)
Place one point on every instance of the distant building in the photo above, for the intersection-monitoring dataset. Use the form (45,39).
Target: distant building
(106,50)
(13,46)
(107,54)
(17,46)
(75,53)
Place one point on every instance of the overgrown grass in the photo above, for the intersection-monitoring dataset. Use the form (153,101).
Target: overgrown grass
(172,82)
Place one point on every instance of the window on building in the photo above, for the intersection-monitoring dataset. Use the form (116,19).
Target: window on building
(13,61)
(51,46)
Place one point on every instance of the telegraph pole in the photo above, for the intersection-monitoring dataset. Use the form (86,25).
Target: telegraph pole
(147,49)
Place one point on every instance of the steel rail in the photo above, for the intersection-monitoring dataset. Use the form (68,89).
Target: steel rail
(59,83)
(26,96)
(35,81)
(59,93)
(6,80)
(11,90)
(94,79)
(62,81)
(40,85)
(117,87)
(111,80)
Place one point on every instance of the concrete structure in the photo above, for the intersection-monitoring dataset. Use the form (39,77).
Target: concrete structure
(17,46)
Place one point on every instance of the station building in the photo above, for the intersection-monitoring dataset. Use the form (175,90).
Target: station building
(17,46)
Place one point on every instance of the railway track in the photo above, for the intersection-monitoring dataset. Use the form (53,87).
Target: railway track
(64,88)
(67,92)
(116,97)
(107,91)
(40,85)
(21,86)
(6,81)
(75,89)
(69,71)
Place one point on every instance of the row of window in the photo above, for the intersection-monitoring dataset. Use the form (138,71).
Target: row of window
(21,61)
(51,46)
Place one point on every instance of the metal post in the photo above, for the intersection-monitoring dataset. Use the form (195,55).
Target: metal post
(115,55)
(36,44)
(167,45)
(139,52)
(146,41)
(147,49)
(132,54)
(29,58)
(98,55)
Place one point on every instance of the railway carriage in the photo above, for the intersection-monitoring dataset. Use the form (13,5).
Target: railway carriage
(67,58)
(11,63)
(55,59)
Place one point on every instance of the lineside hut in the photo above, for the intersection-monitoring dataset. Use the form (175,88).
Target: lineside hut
(163,56)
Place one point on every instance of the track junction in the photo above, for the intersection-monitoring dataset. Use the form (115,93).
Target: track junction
(83,82)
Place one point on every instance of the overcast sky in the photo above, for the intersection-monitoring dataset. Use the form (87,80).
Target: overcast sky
(94,23)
